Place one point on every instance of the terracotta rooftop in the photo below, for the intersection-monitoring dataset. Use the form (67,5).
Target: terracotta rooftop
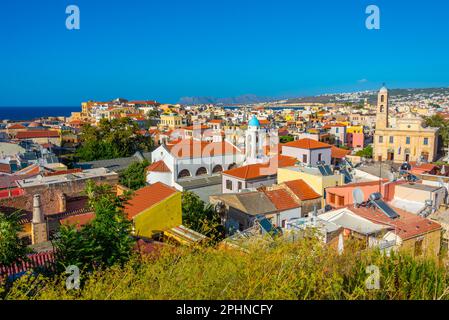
(78,220)
(281,199)
(196,127)
(16,126)
(252,171)
(339,153)
(37,134)
(147,197)
(197,149)
(407,226)
(284,161)
(307,143)
(158,166)
(302,190)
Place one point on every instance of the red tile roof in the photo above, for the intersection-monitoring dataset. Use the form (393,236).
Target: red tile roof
(339,153)
(197,149)
(216,121)
(283,161)
(158,166)
(147,197)
(41,260)
(422,168)
(302,190)
(307,143)
(37,134)
(5,168)
(196,127)
(78,220)
(16,126)
(281,199)
(252,171)
(407,226)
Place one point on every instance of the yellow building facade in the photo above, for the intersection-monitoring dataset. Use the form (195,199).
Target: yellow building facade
(406,141)
(171,121)
(162,216)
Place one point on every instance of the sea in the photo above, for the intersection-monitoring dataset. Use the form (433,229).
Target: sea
(34,113)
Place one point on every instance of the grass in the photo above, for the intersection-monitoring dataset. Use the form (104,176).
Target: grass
(279,270)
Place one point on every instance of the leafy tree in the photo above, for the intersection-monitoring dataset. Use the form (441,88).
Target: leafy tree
(12,249)
(285,139)
(111,139)
(367,152)
(153,114)
(134,176)
(103,242)
(201,217)
(437,121)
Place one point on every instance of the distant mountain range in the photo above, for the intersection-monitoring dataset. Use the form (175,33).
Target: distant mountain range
(324,98)
(243,99)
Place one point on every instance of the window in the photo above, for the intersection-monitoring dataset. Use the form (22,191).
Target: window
(426,141)
(407,140)
(239,186)
(304,158)
(341,201)
(228,184)
(336,130)
(381,139)
(382,98)
(331,198)
(391,139)
(319,157)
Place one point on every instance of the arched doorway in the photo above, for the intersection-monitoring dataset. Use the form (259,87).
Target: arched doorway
(217,169)
(184,173)
(232,166)
(201,171)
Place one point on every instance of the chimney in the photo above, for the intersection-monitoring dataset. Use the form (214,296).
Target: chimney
(38,224)
(38,216)
(62,202)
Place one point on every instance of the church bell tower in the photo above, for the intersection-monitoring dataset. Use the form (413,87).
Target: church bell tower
(382,109)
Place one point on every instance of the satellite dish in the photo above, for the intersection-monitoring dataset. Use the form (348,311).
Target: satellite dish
(358,196)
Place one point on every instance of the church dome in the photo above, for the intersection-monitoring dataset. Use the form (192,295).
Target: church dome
(383,89)
(254,122)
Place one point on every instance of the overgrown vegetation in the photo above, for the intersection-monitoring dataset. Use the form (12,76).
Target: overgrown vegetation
(134,176)
(305,269)
(285,139)
(101,243)
(367,152)
(111,139)
(201,217)
(437,121)
(12,249)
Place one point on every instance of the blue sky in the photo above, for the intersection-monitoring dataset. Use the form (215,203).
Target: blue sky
(167,49)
